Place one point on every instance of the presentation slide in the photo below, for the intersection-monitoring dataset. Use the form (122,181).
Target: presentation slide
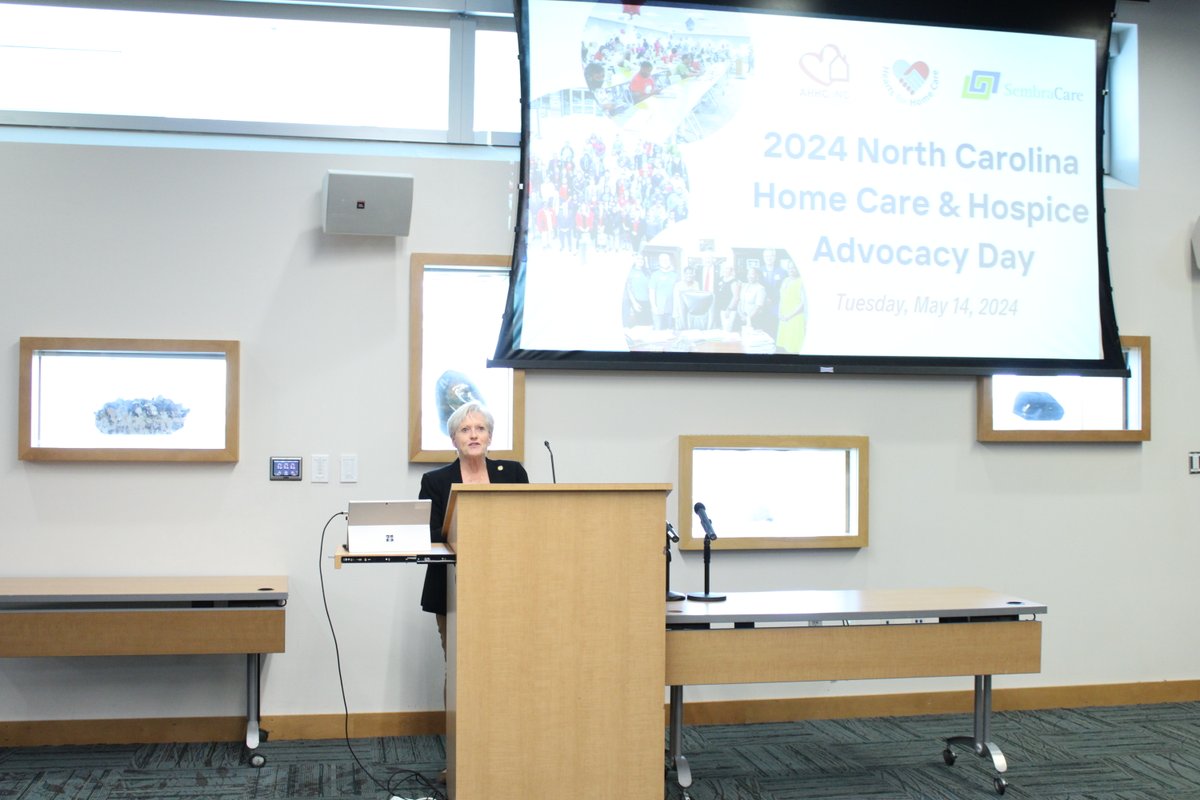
(713,181)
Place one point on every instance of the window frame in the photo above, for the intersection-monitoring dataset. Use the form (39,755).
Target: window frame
(462,19)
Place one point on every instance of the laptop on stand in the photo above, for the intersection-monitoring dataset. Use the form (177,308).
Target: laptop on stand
(388,526)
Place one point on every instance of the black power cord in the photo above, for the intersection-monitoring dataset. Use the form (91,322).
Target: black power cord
(391,787)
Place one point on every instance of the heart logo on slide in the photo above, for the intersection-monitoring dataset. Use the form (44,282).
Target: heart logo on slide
(827,66)
(911,76)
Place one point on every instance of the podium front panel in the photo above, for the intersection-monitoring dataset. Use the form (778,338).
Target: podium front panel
(557,642)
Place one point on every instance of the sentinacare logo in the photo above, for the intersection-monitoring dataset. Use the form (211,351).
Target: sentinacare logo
(1055,94)
(980,85)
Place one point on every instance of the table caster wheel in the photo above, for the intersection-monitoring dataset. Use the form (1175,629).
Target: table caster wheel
(949,757)
(257,760)
(1000,784)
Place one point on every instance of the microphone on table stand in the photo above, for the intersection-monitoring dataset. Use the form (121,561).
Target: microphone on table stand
(553,477)
(672,536)
(709,536)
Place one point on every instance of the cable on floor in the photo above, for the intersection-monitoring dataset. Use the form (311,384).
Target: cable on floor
(392,787)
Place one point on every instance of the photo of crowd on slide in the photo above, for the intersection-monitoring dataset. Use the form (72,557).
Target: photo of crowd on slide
(745,300)
(626,63)
(614,187)
(605,196)
(609,191)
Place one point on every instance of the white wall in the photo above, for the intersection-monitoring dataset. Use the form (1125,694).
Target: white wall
(113,241)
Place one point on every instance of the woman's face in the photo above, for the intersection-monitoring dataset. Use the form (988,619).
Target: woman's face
(471,438)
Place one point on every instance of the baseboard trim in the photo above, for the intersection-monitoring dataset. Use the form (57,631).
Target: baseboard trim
(36,733)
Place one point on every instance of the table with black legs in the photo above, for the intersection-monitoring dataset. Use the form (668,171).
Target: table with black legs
(763,637)
(150,615)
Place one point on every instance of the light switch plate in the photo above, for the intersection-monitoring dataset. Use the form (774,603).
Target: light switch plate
(320,468)
(349,471)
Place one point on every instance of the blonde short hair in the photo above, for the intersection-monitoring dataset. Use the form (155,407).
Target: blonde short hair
(466,409)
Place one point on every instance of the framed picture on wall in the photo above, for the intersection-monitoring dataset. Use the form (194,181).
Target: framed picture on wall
(456,303)
(128,400)
(1069,408)
(774,492)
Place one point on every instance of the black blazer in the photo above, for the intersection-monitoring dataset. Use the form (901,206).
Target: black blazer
(435,486)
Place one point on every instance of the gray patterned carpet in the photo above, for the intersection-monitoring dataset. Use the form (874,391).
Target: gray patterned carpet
(1123,753)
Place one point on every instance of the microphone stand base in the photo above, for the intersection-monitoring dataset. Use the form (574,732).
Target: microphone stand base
(674,596)
(706,597)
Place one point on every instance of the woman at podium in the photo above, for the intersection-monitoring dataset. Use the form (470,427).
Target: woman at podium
(470,428)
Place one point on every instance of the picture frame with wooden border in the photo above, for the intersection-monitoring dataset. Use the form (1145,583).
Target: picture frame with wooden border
(1069,408)
(774,492)
(456,302)
(91,399)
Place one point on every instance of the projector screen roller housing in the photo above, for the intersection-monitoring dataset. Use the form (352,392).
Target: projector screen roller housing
(832,187)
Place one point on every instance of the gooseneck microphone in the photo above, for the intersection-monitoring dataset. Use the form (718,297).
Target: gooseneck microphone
(553,476)
(709,533)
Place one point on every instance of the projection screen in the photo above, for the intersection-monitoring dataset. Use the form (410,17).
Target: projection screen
(812,187)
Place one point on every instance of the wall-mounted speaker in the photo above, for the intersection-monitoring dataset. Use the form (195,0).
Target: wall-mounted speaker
(367,203)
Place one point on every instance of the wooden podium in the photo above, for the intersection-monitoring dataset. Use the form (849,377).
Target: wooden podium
(556,641)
